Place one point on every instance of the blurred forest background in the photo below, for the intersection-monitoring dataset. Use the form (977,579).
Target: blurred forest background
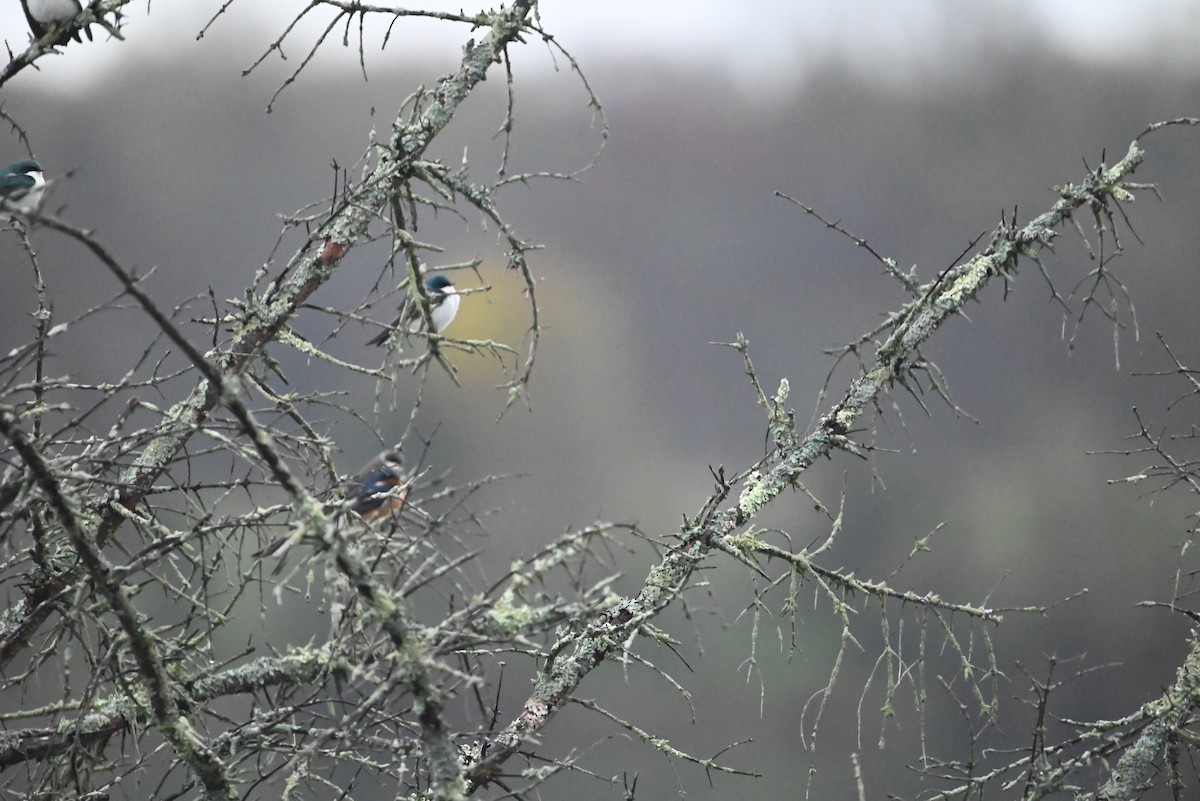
(914,124)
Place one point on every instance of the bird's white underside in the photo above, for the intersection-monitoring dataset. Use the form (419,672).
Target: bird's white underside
(442,314)
(54,10)
(25,201)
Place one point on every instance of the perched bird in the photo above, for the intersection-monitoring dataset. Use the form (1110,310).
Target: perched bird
(46,14)
(443,303)
(371,494)
(22,186)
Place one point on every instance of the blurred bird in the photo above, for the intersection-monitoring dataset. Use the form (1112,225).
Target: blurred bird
(371,494)
(43,15)
(443,305)
(22,186)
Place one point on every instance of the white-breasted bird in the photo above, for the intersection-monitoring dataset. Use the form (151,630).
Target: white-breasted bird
(46,14)
(443,306)
(22,187)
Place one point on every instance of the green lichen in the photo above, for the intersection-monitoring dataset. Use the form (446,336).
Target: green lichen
(756,493)
(746,541)
(509,616)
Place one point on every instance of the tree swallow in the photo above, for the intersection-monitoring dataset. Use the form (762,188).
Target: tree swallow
(371,494)
(443,303)
(21,187)
(44,15)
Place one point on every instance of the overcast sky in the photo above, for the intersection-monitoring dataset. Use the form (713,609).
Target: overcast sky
(772,40)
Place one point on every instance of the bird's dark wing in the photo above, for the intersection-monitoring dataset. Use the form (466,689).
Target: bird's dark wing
(15,185)
(364,494)
(382,337)
(414,316)
(39,29)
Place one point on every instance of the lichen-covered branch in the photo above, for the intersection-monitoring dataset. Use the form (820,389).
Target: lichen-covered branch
(91,518)
(108,715)
(580,651)
(92,13)
(159,689)
(312,266)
